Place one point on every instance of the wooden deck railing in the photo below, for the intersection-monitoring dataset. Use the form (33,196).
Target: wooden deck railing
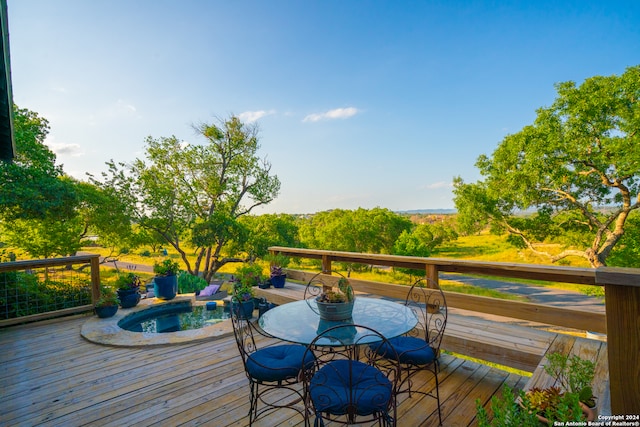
(92,260)
(622,294)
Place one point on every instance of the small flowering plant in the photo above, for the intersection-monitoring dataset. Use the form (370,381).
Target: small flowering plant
(128,282)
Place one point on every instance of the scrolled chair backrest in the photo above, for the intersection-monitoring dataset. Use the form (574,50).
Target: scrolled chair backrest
(340,361)
(426,299)
(315,286)
(243,332)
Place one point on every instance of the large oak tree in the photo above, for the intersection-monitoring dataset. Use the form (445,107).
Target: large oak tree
(195,194)
(577,166)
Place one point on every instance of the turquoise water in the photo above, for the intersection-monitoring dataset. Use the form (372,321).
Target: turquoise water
(172,317)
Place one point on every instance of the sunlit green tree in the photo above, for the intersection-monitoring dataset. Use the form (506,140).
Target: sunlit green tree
(577,167)
(195,194)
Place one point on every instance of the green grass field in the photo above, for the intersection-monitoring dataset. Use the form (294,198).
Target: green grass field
(480,247)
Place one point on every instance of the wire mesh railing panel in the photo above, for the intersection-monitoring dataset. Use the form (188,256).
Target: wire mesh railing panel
(40,289)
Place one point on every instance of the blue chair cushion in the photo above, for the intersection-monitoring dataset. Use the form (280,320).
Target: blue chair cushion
(334,390)
(410,350)
(278,362)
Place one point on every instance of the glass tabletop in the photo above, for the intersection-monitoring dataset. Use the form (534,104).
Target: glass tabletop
(300,323)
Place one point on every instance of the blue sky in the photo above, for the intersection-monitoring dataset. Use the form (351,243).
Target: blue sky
(360,103)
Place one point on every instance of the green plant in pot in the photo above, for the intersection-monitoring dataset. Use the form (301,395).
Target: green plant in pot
(165,284)
(242,301)
(552,404)
(128,285)
(107,303)
(507,410)
(336,303)
(531,408)
(575,375)
(249,274)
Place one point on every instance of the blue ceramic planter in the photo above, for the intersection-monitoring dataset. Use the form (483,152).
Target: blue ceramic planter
(165,287)
(278,281)
(106,311)
(128,299)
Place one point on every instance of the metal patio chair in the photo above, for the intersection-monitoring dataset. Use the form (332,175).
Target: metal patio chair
(347,384)
(419,350)
(271,370)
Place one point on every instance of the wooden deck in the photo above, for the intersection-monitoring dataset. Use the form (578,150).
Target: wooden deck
(51,376)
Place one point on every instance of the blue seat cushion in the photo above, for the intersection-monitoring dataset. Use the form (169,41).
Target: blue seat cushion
(343,383)
(278,362)
(410,350)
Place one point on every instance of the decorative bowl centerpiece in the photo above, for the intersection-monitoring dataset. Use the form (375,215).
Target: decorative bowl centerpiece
(336,304)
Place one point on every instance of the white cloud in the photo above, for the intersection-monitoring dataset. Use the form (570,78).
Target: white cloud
(440,184)
(123,106)
(338,113)
(62,149)
(252,116)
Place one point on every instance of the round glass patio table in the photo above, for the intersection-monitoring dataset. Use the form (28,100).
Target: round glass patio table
(300,323)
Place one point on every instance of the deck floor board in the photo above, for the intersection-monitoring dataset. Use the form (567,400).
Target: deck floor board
(61,379)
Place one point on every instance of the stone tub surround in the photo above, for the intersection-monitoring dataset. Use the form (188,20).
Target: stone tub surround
(107,331)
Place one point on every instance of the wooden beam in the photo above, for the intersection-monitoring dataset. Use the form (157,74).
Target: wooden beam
(622,293)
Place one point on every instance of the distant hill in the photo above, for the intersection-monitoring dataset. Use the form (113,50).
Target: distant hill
(428,211)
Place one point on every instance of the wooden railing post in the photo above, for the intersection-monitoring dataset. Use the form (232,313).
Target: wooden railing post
(622,296)
(326,264)
(95,278)
(432,274)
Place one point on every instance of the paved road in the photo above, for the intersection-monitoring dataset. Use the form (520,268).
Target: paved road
(536,294)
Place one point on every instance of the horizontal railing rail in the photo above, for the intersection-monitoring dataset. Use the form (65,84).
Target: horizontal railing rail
(621,321)
(44,265)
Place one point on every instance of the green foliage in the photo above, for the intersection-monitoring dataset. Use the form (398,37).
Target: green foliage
(344,293)
(361,230)
(196,193)
(278,262)
(267,230)
(167,267)
(188,283)
(24,293)
(34,187)
(108,297)
(574,374)
(507,412)
(128,282)
(45,238)
(578,156)
(249,274)
(554,404)
(421,241)
(627,252)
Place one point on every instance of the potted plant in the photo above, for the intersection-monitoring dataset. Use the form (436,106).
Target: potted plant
(336,304)
(128,289)
(507,411)
(575,375)
(242,300)
(549,406)
(165,283)
(568,402)
(107,304)
(277,276)
(249,274)
(552,405)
